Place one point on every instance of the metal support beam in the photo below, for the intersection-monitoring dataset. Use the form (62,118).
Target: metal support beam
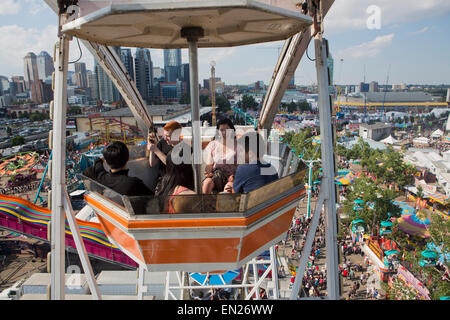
(58,176)
(141,287)
(81,249)
(115,69)
(328,166)
(274,264)
(192,34)
(288,61)
(307,247)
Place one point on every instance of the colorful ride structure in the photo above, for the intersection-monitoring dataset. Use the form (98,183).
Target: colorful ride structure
(382,254)
(18,163)
(24,217)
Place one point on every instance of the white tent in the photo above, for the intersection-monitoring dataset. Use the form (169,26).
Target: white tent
(421,140)
(389,140)
(437,134)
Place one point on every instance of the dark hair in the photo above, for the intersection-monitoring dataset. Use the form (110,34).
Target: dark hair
(116,154)
(225,121)
(176,175)
(253,136)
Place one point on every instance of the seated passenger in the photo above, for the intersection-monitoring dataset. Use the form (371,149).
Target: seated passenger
(178,180)
(160,150)
(254,173)
(220,158)
(116,156)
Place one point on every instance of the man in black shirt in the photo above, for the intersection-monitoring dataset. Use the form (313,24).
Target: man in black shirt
(116,156)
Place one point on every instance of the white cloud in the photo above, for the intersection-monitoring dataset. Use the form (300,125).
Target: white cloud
(35,6)
(367,49)
(9,7)
(17,41)
(351,14)
(423,30)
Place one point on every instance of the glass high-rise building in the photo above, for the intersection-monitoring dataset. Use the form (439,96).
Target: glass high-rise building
(45,65)
(127,60)
(105,86)
(81,75)
(30,69)
(143,68)
(172,64)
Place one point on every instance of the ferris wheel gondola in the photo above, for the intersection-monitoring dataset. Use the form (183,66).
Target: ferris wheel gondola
(218,232)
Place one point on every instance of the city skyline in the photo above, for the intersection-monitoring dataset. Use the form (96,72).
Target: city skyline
(409,44)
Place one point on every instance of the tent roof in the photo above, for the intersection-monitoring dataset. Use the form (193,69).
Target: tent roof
(389,140)
(437,133)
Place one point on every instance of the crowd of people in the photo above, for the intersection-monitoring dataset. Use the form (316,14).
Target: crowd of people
(314,281)
(224,172)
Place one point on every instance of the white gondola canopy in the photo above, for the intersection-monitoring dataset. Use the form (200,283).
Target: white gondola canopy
(158,24)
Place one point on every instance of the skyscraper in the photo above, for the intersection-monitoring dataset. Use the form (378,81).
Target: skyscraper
(143,68)
(172,64)
(104,84)
(127,60)
(81,75)
(185,77)
(92,85)
(30,69)
(45,65)
(20,83)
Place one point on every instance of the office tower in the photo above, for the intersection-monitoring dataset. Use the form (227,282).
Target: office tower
(4,85)
(20,83)
(373,86)
(45,65)
(158,73)
(104,84)
(92,85)
(363,87)
(143,68)
(185,77)
(81,75)
(127,60)
(30,69)
(172,64)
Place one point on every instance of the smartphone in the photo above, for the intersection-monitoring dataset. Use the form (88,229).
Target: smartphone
(151,136)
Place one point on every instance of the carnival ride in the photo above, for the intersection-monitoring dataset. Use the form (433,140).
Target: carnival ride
(220,224)
(382,254)
(19,215)
(18,163)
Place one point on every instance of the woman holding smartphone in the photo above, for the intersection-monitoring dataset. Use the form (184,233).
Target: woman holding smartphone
(159,150)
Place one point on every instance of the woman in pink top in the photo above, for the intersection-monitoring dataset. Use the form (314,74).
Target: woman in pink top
(221,159)
(178,180)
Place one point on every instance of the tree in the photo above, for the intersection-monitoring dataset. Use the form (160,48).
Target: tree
(223,105)
(73,110)
(38,116)
(380,200)
(17,140)
(204,100)
(185,98)
(247,102)
(9,131)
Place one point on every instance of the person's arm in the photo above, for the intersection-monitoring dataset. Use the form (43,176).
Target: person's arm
(238,182)
(156,155)
(209,161)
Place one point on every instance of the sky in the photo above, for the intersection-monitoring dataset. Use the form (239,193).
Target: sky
(388,41)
